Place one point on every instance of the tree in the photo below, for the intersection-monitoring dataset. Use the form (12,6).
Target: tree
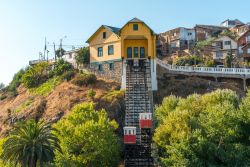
(16,81)
(207,130)
(83,56)
(87,138)
(60,52)
(30,143)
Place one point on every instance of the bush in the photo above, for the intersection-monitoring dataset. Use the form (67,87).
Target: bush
(84,79)
(91,94)
(61,67)
(68,75)
(114,95)
(2,97)
(35,75)
(46,87)
(16,81)
(188,60)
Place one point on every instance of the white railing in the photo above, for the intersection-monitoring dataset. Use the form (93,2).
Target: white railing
(211,70)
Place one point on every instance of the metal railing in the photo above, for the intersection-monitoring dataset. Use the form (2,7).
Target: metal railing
(211,70)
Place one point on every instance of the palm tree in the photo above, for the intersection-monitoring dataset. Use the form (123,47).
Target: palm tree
(31,143)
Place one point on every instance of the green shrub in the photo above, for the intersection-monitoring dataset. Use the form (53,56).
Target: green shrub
(2,97)
(36,75)
(209,63)
(16,81)
(112,95)
(188,60)
(84,79)
(61,67)
(91,94)
(24,105)
(68,75)
(46,87)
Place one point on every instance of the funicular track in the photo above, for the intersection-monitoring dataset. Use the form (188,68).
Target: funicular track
(138,98)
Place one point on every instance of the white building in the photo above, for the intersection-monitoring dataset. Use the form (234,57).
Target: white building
(231,23)
(222,46)
(69,56)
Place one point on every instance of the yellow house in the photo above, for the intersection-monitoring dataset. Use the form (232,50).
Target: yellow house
(109,46)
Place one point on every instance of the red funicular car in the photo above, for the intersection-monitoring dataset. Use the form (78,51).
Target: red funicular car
(129,135)
(145,120)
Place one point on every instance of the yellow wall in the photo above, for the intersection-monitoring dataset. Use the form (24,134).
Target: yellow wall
(135,43)
(143,32)
(98,41)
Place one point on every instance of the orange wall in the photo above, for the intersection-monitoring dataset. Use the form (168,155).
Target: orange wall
(135,43)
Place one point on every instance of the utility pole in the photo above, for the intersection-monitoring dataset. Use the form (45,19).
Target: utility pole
(54,49)
(45,48)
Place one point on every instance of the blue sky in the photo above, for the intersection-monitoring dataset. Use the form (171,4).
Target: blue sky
(24,24)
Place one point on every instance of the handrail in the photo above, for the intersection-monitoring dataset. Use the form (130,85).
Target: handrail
(211,70)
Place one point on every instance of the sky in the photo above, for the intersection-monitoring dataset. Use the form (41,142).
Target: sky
(24,24)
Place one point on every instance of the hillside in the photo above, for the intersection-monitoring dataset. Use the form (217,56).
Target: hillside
(59,101)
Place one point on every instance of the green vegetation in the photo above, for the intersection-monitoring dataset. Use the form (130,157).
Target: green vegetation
(229,33)
(87,138)
(204,130)
(68,75)
(16,81)
(35,75)
(114,94)
(84,79)
(201,44)
(91,94)
(188,61)
(2,97)
(60,67)
(24,105)
(30,144)
(46,87)
(83,56)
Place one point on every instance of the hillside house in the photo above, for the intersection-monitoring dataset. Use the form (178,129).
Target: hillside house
(69,56)
(231,23)
(240,29)
(175,40)
(244,48)
(109,45)
(203,32)
(223,46)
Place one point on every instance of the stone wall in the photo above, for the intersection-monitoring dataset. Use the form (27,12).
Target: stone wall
(114,74)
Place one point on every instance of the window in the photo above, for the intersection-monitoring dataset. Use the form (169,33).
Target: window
(135,27)
(175,34)
(129,52)
(110,49)
(104,35)
(142,52)
(227,42)
(100,67)
(219,54)
(111,66)
(100,52)
(136,52)
(248,38)
(248,50)
(189,34)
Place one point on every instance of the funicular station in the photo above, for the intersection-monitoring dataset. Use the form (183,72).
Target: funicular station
(130,52)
